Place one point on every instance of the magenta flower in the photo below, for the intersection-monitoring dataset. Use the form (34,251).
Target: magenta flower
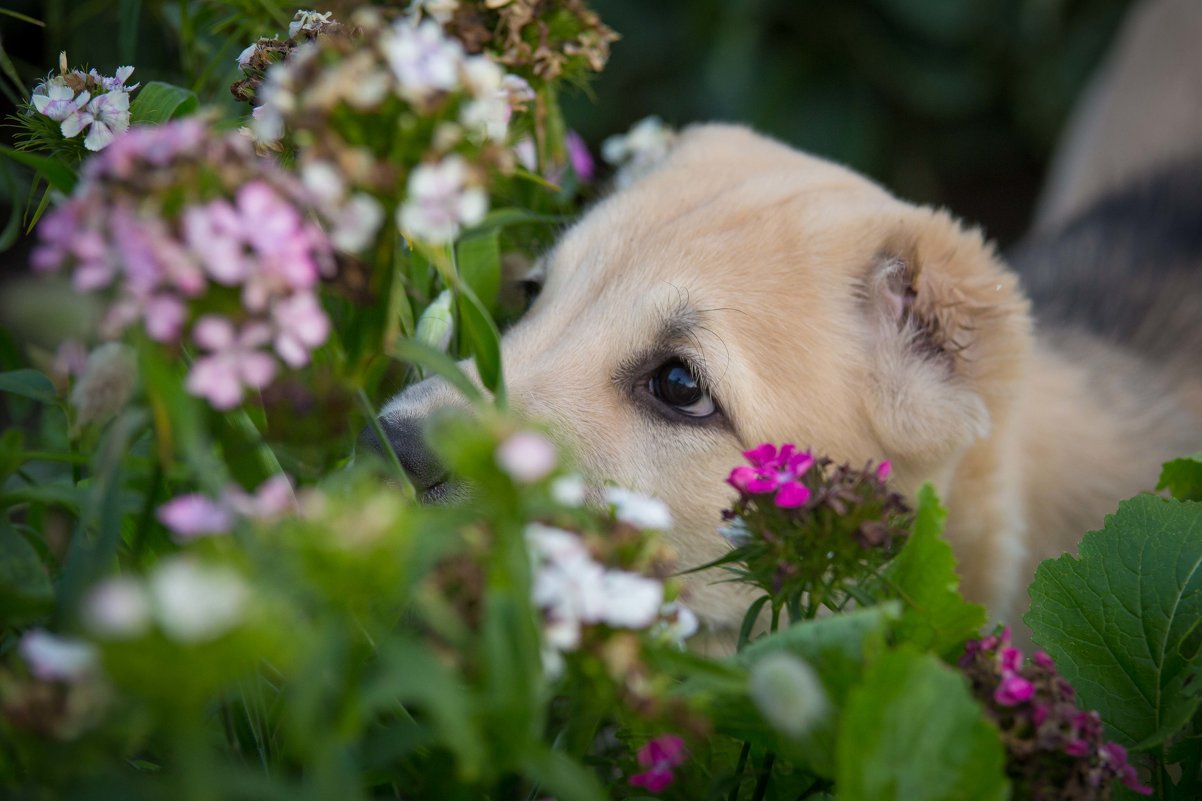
(659,756)
(772,471)
(192,516)
(234,361)
(580,157)
(1013,690)
(884,470)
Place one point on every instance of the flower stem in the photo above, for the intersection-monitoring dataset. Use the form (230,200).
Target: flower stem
(761,786)
(739,766)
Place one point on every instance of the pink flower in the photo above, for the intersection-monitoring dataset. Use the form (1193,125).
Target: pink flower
(526,456)
(192,516)
(1042,659)
(274,498)
(301,326)
(659,757)
(884,470)
(1115,756)
(1013,690)
(580,157)
(235,361)
(771,471)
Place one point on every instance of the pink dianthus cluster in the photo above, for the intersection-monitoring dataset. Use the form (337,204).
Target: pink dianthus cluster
(189,235)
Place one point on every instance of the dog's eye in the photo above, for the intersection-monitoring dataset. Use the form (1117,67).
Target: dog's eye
(529,290)
(675,385)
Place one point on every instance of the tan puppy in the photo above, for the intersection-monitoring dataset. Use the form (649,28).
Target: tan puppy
(744,292)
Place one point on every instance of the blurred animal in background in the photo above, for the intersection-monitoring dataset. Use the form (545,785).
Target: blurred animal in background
(741,291)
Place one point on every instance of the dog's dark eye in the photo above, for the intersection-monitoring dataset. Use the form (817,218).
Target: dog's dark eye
(675,385)
(529,290)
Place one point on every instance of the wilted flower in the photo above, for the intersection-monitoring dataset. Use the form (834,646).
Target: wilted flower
(659,757)
(1054,749)
(787,692)
(527,456)
(54,658)
(195,603)
(638,510)
(307,21)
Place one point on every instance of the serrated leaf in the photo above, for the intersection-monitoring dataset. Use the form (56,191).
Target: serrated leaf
(157,102)
(1183,478)
(936,616)
(912,732)
(1124,621)
(28,384)
(25,591)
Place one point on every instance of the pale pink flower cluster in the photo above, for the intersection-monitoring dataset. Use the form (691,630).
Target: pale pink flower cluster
(56,658)
(441,199)
(572,590)
(248,240)
(89,101)
(195,515)
(527,456)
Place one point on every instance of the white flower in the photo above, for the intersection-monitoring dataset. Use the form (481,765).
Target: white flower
(244,56)
(194,603)
(787,692)
(308,21)
(638,510)
(554,544)
(278,99)
(488,113)
(56,100)
(117,608)
(526,456)
(107,115)
(639,150)
(424,60)
(54,658)
(568,490)
(106,384)
(630,601)
(440,200)
(324,181)
(677,623)
(436,324)
(356,223)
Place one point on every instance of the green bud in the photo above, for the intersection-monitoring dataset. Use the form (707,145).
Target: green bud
(437,323)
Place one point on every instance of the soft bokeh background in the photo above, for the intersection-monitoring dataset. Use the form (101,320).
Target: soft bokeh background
(956,102)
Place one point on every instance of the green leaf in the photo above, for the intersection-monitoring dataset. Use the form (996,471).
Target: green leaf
(28,384)
(1183,478)
(936,617)
(410,350)
(1124,621)
(912,732)
(12,454)
(158,102)
(481,332)
(503,218)
(25,591)
(562,777)
(479,260)
(56,173)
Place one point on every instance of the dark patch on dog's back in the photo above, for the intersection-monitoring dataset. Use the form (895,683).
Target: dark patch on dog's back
(1129,269)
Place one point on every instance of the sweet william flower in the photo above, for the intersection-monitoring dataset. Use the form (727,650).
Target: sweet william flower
(56,100)
(301,325)
(117,609)
(195,515)
(774,472)
(234,361)
(526,456)
(308,21)
(424,60)
(54,658)
(638,510)
(659,757)
(440,200)
(195,603)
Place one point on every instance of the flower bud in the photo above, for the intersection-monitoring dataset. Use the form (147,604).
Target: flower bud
(787,692)
(105,386)
(436,324)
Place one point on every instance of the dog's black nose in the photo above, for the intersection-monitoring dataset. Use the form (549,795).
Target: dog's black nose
(406,437)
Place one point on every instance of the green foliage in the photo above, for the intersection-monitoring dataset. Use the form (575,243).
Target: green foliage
(158,102)
(1122,620)
(1183,478)
(923,575)
(912,732)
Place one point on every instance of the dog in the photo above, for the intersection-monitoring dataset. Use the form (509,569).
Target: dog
(745,292)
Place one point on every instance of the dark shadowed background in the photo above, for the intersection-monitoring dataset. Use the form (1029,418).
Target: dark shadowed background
(955,102)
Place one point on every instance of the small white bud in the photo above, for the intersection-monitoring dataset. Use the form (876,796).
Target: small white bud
(787,692)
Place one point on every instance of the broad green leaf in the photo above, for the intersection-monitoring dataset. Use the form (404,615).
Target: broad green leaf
(56,173)
(1183,478)
(559,776)
(479,261)
(158,102)
(837,647)
(1124,621)
(28,384)
(25,591)
(936,617)
(481,332)
(912,732)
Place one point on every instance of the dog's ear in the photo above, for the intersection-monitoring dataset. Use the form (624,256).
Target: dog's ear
(950,331)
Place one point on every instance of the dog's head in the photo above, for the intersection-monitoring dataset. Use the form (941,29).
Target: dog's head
(744,292)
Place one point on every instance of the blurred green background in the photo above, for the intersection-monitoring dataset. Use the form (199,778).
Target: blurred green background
(955,102)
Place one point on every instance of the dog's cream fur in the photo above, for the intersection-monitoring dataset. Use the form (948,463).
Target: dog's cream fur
(825,312)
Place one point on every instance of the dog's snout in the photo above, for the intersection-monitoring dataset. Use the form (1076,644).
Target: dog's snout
(405,436)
